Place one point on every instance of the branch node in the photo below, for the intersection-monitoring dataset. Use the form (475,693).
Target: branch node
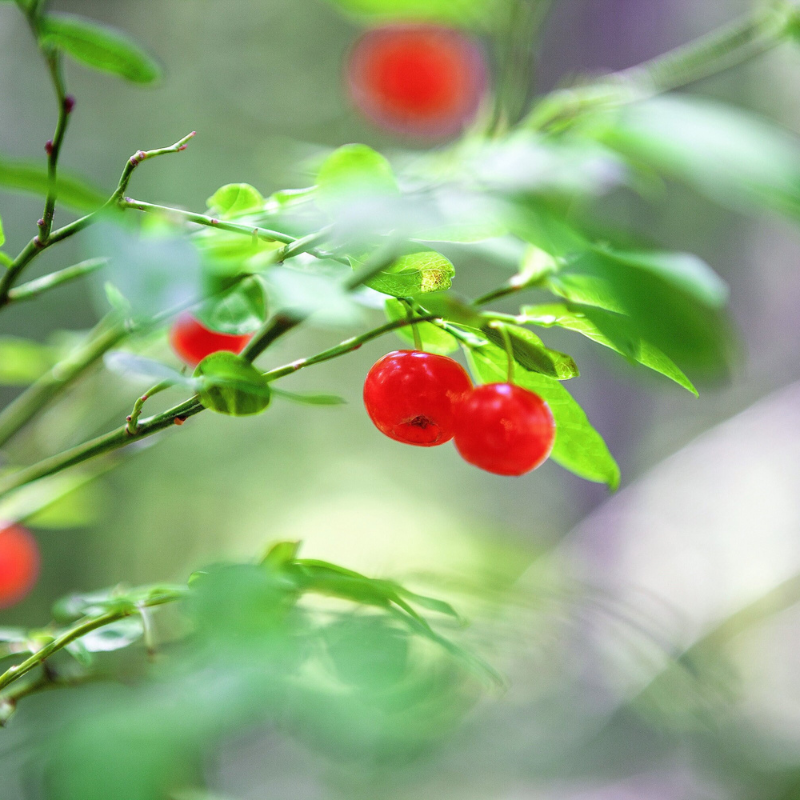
(48,147)
(69,104)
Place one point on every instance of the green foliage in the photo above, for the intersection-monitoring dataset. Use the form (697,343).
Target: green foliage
(354,171)
(469,13)
(230,385)
(72,192)
(240,309)
(414,274)
(578,447)
(530,352)
(22,361)
(433,338)
(98,46)
(235,199)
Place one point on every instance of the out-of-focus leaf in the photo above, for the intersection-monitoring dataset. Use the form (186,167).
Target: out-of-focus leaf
(241,309)
(351,171)
(22,361)
(2,233)
(734,157)
(99,46)
(136,367)
(114,636)
(281,553)
(310,398)
(235,199)
(530,352)
(72,192)
(578,447)
(434,339)
(65,500)
(16,635)
(469,13)
(412,274)
(622,339)
(230,385)
(451,308)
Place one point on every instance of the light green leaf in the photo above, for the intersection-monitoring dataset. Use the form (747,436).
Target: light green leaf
(530,352)
(230,385)
(99,46)
(310,398)
(242,309)
(354,170)
(2,234)
(736,158)
(235,199)
(72,192)
(578,448)
(22,361)
(413,274)
(626,342)
(469,13)
(434,339)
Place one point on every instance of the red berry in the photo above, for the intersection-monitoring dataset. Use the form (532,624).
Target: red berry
(504,429)
(19,564)
(417,79)
(192,341)
(410,396)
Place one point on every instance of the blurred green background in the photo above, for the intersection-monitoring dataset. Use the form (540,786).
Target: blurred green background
(260,81)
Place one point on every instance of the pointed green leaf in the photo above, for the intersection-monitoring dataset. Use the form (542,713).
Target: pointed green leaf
(413,274)
(235,199)
(530,352)
(99,46)
(72,192)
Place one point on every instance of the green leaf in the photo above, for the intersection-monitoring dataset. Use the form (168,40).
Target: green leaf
(72,192)
(99,46)
(230,385)
(530,352)
(469,13)
(434,339)
(578,448)
(670,308)
(242,309)
(354,170)
(623,338)
(734,157)
(416,273)
(22,361)
(2,234)
(280,554)
(310,398)
(235,199)
(66,500)
(451,308)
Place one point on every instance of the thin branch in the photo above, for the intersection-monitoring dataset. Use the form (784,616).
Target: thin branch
(34,288)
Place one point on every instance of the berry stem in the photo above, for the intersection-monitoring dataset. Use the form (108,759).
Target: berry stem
(509,347)
(414,327)
(133,420)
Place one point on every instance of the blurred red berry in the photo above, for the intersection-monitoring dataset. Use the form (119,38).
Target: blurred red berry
(504,429)
(410,396)
(422,80)
(19,564)
(192,341)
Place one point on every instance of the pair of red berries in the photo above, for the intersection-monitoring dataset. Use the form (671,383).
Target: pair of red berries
(19,564)
(426,400)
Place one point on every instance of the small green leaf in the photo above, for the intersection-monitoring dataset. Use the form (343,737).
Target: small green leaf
(578,448)
(72,192)
(235,199)
(310,398)
(230,385)
(242,309)
(416,273)
(617,334)
(530,352)
(99,46)
(22,361)
(354,170)
(467,13)
(280,554)
(434,339)
(2,234)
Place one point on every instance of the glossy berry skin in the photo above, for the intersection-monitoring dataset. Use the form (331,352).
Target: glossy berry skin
(192,341)
(19,564)
(422,80)
(410,396)
(504,429)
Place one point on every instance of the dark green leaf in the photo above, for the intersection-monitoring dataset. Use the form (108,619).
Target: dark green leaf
(72,192)
(231,385)
(530,352)
(434,339)
(578,448)
(99,46)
